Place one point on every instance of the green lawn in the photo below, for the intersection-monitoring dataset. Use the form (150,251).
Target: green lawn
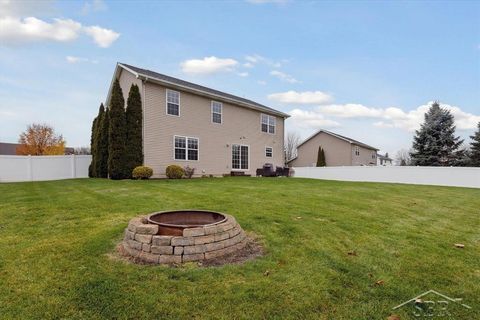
(56,241)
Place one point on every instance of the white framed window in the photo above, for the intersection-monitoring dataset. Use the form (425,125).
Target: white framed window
(268,123)
(268,152)
(173,103)
(185,148)
(357,151)
(240,157)
(217,108)
(374,155)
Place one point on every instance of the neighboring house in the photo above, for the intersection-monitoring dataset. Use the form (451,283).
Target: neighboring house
(339,151)
(384,160)
(11,149)
(211,131)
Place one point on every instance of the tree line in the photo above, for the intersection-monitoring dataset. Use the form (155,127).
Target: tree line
(116,139)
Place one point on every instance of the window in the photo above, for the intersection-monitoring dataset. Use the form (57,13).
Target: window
(268,152)
(173,103)
(186,148)
(373,155)
(217,112)
(357,151)
(239,157)
(268,123)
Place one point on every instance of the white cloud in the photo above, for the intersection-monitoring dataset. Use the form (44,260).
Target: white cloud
(14,30)
(393,117)
(31,29)
(94,6)
(208,65)
(310,119)
(254,59)
(243,74)
(248,65)
(73,59)
(102,37)
(305,97)
(15,8)
(261,82)
(283,76)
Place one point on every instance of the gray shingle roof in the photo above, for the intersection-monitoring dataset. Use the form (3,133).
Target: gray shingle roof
(183,83)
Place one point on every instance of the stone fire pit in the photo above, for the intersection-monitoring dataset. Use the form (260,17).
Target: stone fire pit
(182,236)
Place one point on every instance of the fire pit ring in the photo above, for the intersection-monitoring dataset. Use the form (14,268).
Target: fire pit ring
(181,236)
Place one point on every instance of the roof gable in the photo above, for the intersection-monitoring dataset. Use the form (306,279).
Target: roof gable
(338,136)
(175,82)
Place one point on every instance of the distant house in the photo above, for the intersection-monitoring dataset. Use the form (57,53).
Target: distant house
(339,151)
(384,160)
(212,131)
(10,149)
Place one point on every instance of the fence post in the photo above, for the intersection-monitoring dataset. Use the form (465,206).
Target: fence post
(74,165)
(30,170)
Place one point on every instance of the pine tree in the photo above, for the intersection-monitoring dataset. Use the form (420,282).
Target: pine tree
(435,144)
(96,140)
(103,146)
(475,148)
(92,172)
(321,157)
(116,134)
(133,145)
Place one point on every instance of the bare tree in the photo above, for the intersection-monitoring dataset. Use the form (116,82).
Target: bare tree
(293,140)
(403,158)
(82,150)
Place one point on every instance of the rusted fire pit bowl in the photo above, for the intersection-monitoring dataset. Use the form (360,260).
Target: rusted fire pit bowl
(174,222)
(182,236)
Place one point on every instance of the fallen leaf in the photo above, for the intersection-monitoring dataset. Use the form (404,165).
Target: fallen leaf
(459,245)
(379,283)
(266,273)
(393,317)
(352,253)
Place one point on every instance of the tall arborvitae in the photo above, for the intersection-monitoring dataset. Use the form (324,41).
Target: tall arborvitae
(321,157)
(435,144)
(117,134)
(92,172)
(102,153)
(133,145)
(475,148)
(98,136)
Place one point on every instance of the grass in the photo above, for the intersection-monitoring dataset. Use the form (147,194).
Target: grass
(56,240)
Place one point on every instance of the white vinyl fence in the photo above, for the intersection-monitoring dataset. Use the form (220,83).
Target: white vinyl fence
(39,168)
(441,176)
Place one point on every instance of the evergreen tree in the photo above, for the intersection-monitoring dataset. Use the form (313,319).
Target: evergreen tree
(321,157)
(475,148)
(116,134)
(92,173)
(103,146)
(435,144)
(96,140)
(133,145)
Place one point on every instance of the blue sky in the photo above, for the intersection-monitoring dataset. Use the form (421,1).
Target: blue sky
(362,69)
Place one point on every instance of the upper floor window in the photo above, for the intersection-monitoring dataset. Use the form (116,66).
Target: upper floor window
(268,123)
(357,151)
(268,152)
(217,112)
(173,103)
(374,155)
(185,148)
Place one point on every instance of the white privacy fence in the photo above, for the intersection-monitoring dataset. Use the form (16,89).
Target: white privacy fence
(39,168)
(441,176)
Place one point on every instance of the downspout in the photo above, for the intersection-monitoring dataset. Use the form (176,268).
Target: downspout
(144,83)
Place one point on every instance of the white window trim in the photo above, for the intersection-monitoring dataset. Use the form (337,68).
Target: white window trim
(266,152)
(166,103)
(357,150)
(268,117)
(231,154)
(221,112)
(186,148)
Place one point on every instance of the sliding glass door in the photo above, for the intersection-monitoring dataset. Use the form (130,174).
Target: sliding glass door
(240,157)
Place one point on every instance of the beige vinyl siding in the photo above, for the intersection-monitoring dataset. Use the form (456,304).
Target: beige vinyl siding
(365,157)
(126,79)
(337,152)
(239,126)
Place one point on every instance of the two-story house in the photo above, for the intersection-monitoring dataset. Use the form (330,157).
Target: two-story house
(339,151)
(206,129)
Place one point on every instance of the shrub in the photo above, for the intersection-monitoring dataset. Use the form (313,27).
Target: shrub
(174,172)
(188,172)
(142,172)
